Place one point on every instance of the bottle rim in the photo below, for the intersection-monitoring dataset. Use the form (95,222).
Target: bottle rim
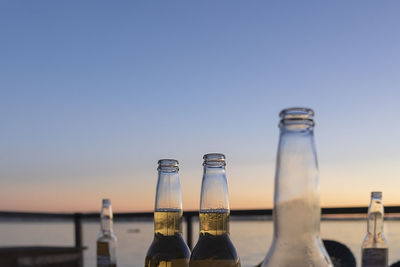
(214,159)
(297,115)
(376,194)
(293,111)
(168,164)
(106,202)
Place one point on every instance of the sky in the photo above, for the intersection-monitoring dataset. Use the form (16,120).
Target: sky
(93,93)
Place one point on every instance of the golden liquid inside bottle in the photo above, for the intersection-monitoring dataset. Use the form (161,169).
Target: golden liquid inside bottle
(168,248)
(168,223)
(103,255)
(214,247)
(106,246)
(214,223)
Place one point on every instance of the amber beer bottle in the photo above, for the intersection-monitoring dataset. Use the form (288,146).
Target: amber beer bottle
(375,247)
(214,247)
(106,240)
(297,212)
(168,248)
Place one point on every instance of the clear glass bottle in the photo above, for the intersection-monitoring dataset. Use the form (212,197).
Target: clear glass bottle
(106,240)
(168,248)
(297,212)
(214,247)
(375,248)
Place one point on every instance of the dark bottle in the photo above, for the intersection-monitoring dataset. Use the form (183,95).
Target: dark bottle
(106,240)
(297,212)
(375,248)
(168,248)
(214,247)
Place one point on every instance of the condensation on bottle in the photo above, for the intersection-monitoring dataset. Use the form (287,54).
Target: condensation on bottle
(297,212)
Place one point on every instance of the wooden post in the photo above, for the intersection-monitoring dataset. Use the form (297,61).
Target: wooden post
(189,231)
(78,229)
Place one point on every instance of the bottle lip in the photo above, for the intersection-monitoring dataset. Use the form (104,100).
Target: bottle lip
(168,164)
(214,159)
(376,194)
(297,115)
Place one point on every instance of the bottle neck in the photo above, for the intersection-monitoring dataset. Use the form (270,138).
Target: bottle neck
(296,182)
(168,205)
(106,219)
(214,201)
(214,189)
(375,218)
(168,194)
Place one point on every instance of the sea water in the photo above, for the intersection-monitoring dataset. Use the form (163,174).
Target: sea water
(252,239)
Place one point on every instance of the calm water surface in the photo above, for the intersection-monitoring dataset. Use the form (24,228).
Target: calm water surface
(251,238)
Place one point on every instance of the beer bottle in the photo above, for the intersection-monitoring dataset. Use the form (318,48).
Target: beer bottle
(168,248)
(214,247)
(296,240)
(106,240)
(375,247)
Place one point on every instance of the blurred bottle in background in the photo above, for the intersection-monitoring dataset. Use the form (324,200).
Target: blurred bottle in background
(375,248)
(106,240)
(168,248)
(297,212)
(214,247)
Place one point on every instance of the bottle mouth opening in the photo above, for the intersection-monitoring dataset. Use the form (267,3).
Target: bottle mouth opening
(168,164)
(297,115)
(214,159)
(106,202)
(376,194)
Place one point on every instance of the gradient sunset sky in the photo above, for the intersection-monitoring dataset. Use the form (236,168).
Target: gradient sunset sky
(93,93)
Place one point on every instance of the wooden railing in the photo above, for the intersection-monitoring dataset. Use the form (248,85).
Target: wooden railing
(188,216)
